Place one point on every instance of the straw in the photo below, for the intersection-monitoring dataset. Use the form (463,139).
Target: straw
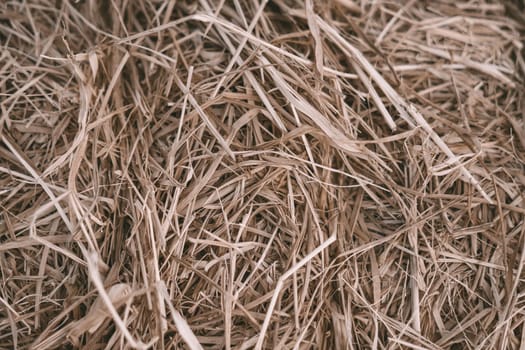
(227,174)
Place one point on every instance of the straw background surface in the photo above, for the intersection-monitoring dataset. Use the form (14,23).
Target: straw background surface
(262,174)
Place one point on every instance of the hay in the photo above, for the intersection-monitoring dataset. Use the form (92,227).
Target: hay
(262,174)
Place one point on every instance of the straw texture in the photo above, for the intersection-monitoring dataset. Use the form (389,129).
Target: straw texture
(267,174)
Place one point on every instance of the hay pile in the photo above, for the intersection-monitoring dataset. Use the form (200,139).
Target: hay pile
(261,174)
